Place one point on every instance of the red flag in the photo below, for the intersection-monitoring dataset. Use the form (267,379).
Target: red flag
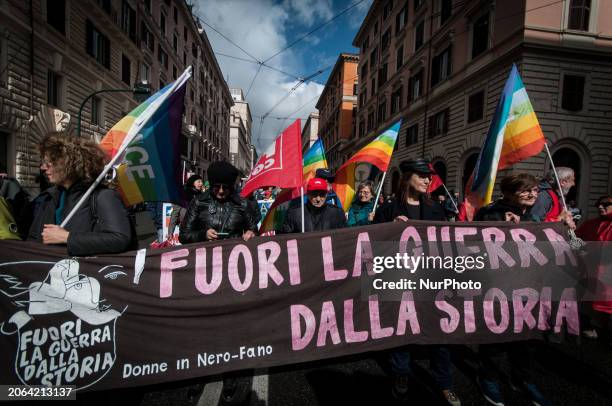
(280,165)
(435,182)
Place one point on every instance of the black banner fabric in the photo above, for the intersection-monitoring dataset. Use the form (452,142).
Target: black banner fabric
(163,315)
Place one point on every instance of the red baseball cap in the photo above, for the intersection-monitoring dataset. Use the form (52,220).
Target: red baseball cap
(316,184)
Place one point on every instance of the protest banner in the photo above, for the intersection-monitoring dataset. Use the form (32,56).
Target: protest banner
(200,309)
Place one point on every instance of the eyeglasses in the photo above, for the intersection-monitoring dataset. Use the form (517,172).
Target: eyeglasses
(605,205)
(534,191)
(220,186)
(365,192)
(317,193)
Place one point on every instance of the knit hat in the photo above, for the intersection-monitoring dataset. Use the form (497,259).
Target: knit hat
(222,172)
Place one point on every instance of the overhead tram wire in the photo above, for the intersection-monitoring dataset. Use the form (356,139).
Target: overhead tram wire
(253,81)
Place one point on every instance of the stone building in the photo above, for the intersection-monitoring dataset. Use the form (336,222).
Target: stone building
(310,132)
(240,133)
(441,66)
(55,53)
(336,105)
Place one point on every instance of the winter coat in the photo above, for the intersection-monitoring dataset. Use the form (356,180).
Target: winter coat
(429,210)
(102,229)
(234,216)
(358,213)
(178,212)
(328,217)
(547,206)
(497,210)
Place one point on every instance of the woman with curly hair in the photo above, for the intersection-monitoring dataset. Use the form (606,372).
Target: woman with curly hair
(101,225)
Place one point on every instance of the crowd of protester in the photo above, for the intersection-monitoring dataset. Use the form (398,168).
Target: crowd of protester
(216,211)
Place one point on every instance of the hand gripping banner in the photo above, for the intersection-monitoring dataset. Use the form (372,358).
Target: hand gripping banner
(155,316)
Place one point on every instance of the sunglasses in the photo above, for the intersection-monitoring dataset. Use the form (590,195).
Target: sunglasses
(318,193)
(220,186)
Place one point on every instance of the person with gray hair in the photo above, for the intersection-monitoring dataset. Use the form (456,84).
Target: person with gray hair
(548,206)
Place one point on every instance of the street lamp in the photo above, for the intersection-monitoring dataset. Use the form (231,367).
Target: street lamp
(141,91)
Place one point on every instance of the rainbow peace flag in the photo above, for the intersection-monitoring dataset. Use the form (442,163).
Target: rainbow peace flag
(148,141)
(314,159)
(514,135)
(377,153)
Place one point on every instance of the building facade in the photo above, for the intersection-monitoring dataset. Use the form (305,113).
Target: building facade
(310,132)
(240,146)
(441,65)
(55,53)
(336,105)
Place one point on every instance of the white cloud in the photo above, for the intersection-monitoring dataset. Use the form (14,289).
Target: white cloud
(310,11)
(259,28)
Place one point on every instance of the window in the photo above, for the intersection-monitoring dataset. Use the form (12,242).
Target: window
(382,111)
(56,15)
(128,20)
(106,5)
(401,19)
(376,27)
(175,42)
(475,107)
(373,86)
(385,40)
(371,121)
(415,86)
(97,45)
(161,84)
(366,44)
(573,92)
(145,73)
(419,35)
(147,36)
(185,33)
(579,13)
(396,100)
(184,58)
(412,135)
(382,75)
(126,67)
(174,72)
(446,10)
(373,59)
(364,71)
(399,58)
(441,66)
(417,4)
(147,5)
(162,23)
(162,57)
(480,35)
(355,89)
(387,9)
(361,128)
(54,88)
(438,124)
(96,111)
(175,15)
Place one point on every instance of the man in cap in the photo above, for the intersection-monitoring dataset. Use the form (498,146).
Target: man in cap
(318,214)
(218,213)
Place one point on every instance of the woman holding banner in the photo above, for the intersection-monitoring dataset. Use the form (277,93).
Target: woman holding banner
(101,225)
(413,204)
(360,213)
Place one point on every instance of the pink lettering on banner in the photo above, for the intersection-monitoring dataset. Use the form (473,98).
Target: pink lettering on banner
(545,309)
(568,311)
(432,238)
(300,340)
(407,313)
(169,262)
(447,324)
(238,251)
(330,272)
(489,310)
(363,252)
(410,233)
(462,249)
(525,242)
(201,283)
(352,336)
(445,238)
(468,308)
(494,239)
(328,325)
(294,263)
(377,330)
(523,310)
(267,269)
(561,247)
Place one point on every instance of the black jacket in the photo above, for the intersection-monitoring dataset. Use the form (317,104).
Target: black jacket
(429,210)
(102,229)
(324,218)
(497,210)
(234,216)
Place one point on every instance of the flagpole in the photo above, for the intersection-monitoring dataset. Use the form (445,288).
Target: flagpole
(450,197)
(133,132)
(382,182)
(572,234)
(302,203)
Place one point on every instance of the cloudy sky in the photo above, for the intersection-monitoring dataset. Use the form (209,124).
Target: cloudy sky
(264,27)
